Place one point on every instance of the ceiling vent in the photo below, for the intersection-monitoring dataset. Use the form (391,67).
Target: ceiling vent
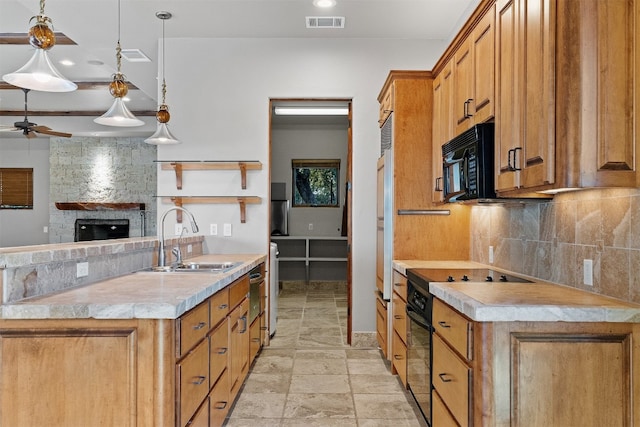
(325,21)
(134,55)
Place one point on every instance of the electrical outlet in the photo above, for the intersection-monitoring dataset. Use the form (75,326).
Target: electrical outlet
(227,230)
(45,229)
(490,254)
(178,230)
(82,269)
(189,249)
(213,229)
(310,226)
(587,272)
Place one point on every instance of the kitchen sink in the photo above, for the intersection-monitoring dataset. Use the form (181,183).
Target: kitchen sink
(198,267)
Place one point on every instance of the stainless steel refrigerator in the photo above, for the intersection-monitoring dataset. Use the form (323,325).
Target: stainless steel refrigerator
(279,217)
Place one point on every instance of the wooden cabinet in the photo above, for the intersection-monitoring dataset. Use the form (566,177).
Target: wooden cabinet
(442,126)
(258,329)
(597,95)
(381,324)
(525,110)
(399,343)
(452,356)
(533,373)
(239,345)
(127,372)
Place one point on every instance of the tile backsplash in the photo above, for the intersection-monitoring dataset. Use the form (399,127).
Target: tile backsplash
(550,240)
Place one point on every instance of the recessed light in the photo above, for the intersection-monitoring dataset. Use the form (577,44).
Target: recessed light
(67,62)
(324,3)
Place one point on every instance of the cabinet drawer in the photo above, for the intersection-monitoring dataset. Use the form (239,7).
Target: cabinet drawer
(452,379)
(192,327)
(219,401)
(400,285)
(238,291)
(218,350)
(453,328)
(399,317)
(201,418)
(193,381)
(399,358)
(440,415)
(218,306)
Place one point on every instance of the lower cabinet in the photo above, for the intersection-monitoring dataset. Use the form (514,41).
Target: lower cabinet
(127,372)
(381,325)
(399,340)
(534,373)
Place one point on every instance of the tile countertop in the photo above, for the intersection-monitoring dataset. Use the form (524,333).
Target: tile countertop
(539,301)
(142,295)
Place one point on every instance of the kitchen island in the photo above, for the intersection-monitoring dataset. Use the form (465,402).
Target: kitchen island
(530,354)
(142,349)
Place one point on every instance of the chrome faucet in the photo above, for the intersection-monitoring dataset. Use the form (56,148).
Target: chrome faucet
(194,227)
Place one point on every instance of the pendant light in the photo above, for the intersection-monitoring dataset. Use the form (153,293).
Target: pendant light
(39,73)
(163,136)
(118,114)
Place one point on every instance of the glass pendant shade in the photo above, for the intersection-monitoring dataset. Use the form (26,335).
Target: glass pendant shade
(162,136)
(118,115)
(40,74)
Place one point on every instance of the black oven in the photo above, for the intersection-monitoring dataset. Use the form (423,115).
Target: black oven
(419,330)
(467,165)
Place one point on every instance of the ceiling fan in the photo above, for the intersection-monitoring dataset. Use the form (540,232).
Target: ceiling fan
(30,129)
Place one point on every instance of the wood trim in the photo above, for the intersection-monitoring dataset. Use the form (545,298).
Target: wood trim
(23,38)
(91,206)
(88,85)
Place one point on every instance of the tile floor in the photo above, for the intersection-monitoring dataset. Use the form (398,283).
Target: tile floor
(308,376)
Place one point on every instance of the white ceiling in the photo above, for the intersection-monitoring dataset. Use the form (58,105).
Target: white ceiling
(93,25)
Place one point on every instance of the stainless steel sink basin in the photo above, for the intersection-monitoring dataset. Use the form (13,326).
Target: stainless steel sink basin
(199,267)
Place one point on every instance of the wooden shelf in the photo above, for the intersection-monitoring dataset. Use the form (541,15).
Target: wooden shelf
(242,201)
(307,250)
(97,206)
(182,165)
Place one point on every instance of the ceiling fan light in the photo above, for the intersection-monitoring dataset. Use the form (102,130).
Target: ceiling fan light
(118,115)
(162,136)
(40,74)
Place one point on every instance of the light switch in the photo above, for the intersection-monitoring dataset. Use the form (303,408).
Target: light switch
(213,229)
(227,230)
(588,272)
(82,269)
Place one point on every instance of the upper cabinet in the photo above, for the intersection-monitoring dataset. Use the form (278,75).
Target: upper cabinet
(525,97)
(566,100)
(442,125)
(473,75)
(597,79)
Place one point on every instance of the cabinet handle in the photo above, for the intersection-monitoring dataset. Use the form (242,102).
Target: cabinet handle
(399,285)
(220,405)
(466,108)
(222,350)
(222,306)
(398,317)
(256,340)
(397,357)
(263,328)
(438,182)
(199,380)
(243,319)
(200,326)
(512,167)
(444,324)
(444,379)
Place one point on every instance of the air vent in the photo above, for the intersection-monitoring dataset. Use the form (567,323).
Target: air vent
(325,21)
(134,55)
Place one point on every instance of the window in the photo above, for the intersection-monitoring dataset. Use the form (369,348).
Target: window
(315,183)
(16,188)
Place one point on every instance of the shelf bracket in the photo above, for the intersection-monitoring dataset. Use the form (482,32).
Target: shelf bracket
(243,174)
(178,169)
(178,202)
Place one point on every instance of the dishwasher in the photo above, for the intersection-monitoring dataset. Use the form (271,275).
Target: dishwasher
(256,279)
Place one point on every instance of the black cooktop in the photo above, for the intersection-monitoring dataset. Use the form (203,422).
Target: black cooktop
(426,275)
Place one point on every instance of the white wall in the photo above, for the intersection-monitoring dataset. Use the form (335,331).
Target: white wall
(219,90)
(26,226)
(310,142)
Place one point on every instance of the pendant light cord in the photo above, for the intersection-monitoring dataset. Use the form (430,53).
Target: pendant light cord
(118,48)
(164,85)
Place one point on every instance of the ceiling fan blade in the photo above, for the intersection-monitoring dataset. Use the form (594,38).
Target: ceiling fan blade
(8,128)
(46,130)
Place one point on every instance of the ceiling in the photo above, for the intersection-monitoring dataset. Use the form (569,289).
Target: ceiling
(93,26)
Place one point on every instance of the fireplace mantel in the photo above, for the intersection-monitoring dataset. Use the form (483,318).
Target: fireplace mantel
(99,206)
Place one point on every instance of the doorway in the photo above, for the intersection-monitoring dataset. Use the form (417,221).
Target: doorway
(310,146)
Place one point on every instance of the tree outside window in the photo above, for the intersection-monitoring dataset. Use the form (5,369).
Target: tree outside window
(315,183)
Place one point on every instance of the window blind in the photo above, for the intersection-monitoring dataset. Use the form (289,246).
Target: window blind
(16,188)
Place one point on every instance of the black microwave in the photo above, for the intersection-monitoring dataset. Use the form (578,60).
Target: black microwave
(468,165)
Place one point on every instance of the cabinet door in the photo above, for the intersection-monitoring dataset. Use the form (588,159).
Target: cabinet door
(537,39)
(452,379)
(438,138)
(193,381)
(399,358)
(219,403)
(507,134)
(218,350)
(462,88)
(483,51)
